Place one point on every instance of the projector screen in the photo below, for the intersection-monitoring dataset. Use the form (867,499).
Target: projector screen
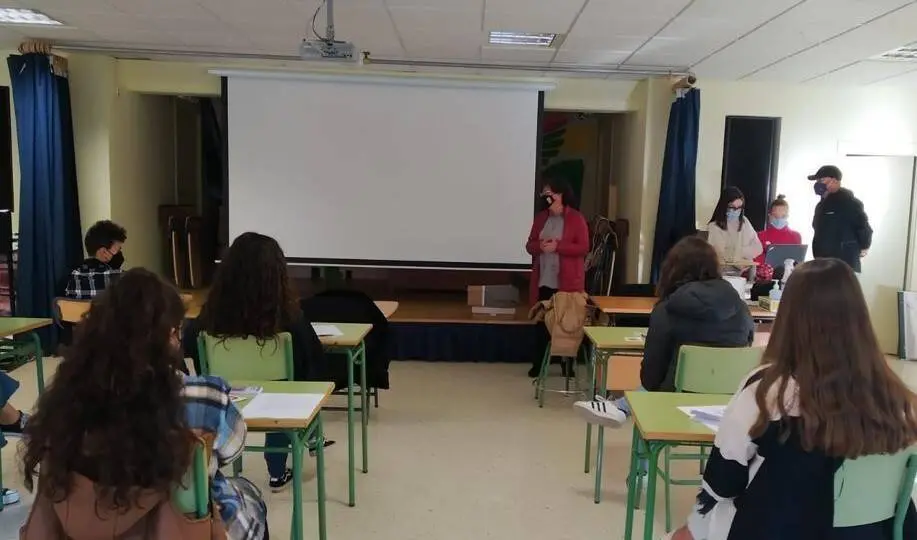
(384,171)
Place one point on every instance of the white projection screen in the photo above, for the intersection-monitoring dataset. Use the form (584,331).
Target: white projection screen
(384,171)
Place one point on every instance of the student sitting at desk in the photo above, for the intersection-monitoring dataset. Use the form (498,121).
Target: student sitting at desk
(103,242)
(696,307)
(252,296)
(114,433)
(729,231)
(776,232)
(825,394)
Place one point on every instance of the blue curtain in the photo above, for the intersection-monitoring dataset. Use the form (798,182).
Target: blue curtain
(675,214)
(50,241)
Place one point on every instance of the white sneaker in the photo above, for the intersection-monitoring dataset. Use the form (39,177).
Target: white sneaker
(10,496)
(600,411)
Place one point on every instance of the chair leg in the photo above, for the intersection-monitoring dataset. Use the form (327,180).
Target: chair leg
(668,489)
(542,375)
(376,398)
(237,466)
(703,460)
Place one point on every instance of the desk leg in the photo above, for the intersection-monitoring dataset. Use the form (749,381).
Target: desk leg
(320,477)
(599,457)
(350,458)
(592,358)
(296,530)
(652,454)
(632,479)
(39,362)
(364,408)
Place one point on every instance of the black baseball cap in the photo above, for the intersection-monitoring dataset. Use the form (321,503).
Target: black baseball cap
(826,171)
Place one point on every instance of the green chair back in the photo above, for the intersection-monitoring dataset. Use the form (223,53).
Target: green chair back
(714,370)
(243,359)
(192,497)
(886,480)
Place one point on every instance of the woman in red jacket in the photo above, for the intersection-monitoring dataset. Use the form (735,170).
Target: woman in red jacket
(558,244)
(776,232)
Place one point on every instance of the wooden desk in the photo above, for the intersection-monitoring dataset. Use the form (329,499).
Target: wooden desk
(387,307)
(658,424)
(606,341)
(626,305)
(306,426)
(352,345)
(14,326)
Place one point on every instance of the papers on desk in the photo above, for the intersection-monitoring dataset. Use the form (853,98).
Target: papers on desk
(243,393)
(710,416)
(327,330)
(282,406)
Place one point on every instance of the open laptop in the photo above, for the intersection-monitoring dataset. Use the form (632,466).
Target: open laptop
(777,254)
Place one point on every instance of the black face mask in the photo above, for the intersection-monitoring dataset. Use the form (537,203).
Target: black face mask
(117,260)
(547,201)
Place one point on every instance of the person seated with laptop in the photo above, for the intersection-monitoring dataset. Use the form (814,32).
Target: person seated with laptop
(777,231)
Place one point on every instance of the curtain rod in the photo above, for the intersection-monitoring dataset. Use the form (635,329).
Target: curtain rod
(367,59)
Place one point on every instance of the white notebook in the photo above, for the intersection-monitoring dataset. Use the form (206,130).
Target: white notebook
(327,330)
(710,415)
(282,406)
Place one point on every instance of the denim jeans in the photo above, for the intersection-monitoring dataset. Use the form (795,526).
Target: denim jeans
(276,462)
(8,387)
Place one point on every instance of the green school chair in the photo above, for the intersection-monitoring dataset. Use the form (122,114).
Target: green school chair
(704,370)
(889,482)
(569,366)
(244,359)
(192,497)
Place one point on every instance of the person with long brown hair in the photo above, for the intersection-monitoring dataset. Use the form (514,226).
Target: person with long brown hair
(114,432)
(696,307)
(824,394)
(252,296)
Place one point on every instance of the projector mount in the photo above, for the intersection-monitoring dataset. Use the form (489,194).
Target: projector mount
(325,47)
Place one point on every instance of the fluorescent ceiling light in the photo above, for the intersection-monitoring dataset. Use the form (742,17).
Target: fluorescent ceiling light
(522,38)
(26,16)
(905,54)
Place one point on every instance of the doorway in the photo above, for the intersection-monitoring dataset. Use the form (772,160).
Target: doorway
(886,186)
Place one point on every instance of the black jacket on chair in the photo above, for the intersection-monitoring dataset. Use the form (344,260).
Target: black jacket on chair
(841,228)
(345,306)
(697,313)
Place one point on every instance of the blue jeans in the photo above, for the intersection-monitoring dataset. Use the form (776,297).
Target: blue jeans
(8,387)
(276,462)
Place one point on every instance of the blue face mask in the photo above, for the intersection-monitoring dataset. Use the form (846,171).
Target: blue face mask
(820,189)
(733,214)
(778,223)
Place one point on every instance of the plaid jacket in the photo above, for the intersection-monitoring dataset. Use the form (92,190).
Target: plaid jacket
(210,409)
(90,278)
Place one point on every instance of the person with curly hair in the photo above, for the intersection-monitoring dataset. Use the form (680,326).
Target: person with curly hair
(252,296)
(114,431)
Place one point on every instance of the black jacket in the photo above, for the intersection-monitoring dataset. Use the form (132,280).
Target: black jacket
(309,362)
(841,228)
(697,313)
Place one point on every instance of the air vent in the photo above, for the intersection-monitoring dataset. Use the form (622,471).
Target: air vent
(907,53)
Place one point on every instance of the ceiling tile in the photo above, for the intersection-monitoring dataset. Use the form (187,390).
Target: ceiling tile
(617,42)
(436,46)
(803,26)
(57,33)
(905,79)
(457,5)
(517,54)
(555,16)
(90,6)
(179,9)
(263,13)
(632,17)
(592,58)
(446,21)
(866,72)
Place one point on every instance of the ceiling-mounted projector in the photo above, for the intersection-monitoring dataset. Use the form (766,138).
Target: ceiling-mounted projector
(318,49)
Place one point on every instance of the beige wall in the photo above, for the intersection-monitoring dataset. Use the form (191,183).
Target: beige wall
(142,172)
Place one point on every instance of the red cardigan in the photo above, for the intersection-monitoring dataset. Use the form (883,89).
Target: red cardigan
(572,248)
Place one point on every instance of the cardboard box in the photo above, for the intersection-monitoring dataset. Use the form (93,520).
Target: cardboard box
(498,296)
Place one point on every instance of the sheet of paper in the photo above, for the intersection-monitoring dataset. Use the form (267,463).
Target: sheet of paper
(243,393)
(710,415)
(327,330)
(282,406)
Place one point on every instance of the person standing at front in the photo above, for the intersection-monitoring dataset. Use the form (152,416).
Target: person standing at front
(558,244)
(841,226)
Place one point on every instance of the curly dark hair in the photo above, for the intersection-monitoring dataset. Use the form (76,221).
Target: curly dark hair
(691,259)
(114,411)
(103,234)
(251,293)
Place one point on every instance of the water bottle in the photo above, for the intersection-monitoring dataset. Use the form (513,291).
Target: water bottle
(774,297)
(788,266)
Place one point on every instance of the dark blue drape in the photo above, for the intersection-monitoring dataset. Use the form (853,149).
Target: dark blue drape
(675,214)
(50,241)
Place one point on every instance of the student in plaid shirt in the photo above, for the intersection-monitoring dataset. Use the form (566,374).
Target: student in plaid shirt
(121,418)
(103,241)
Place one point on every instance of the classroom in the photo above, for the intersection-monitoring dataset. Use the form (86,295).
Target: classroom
(458,269)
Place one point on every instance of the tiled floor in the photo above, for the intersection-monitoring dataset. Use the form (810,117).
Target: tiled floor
(457,451)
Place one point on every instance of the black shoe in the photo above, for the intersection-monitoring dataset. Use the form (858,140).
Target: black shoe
(328,443)
(535,371)
(279,484)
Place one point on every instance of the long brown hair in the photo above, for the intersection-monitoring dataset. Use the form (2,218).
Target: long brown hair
(114,410)
(850,402)
(251,293)
(691,259)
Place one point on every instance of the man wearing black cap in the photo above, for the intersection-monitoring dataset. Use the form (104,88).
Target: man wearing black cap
(841,227)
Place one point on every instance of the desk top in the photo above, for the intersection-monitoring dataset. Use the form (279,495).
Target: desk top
(10,326)
(616,337)
(286,387)
(658,418)
(642,305)
(387,307)
(354,333)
